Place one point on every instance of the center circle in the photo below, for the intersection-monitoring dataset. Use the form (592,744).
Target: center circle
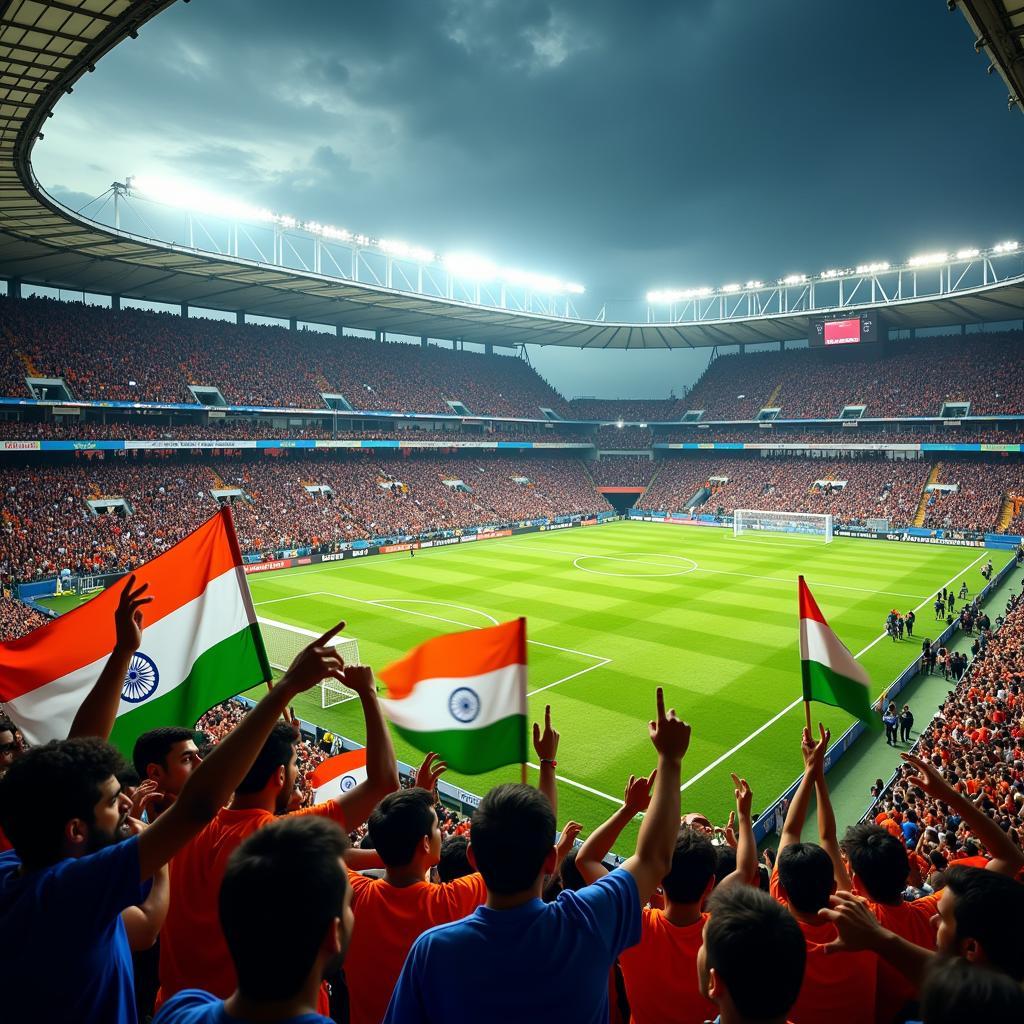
(615,565)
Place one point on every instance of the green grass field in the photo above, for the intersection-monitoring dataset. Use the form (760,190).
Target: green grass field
(614,612)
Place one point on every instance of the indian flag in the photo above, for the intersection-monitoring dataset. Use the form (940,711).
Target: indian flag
(200,645)
(463,695)
(338,775)
(831,674)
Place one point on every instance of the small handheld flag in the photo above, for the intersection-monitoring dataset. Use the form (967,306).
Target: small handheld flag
(338,775)
(463,695)
(831,674)
(200,645)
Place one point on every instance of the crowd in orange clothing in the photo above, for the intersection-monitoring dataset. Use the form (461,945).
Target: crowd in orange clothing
(623,471)
(981,490)
(17,619)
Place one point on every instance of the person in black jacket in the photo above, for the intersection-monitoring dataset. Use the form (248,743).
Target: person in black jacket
(906,723)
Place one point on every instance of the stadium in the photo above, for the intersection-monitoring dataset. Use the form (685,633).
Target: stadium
(279,424)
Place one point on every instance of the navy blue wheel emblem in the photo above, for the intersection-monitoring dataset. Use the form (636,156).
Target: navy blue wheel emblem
(348,782)
(142,679)
(464,704)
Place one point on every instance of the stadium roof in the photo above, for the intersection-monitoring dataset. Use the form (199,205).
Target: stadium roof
(998,26)
(46,46)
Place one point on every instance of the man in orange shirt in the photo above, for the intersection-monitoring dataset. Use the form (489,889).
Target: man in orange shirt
(834,990)
(395,910)
(193,953)
(660,971)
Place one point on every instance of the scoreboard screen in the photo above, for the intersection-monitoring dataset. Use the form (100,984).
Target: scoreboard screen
(829,332)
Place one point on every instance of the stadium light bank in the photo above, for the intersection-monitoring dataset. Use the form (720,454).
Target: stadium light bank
(924,261)
(195,199)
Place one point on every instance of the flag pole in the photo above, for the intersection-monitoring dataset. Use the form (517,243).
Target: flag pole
(807,703)
(522,773)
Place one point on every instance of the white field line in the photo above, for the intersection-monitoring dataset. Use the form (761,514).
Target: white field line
(761,728)
(380,603)
(716,572)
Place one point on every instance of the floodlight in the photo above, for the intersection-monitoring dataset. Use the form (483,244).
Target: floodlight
(731,287)
(755,284)
(828,275)
(928,259)
(403,250)
(794,279)
(468,265)
(967,254)
(186,196)
(1006,247)
(872,268)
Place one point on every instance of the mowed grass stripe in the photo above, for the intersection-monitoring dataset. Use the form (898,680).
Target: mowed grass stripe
(723,646)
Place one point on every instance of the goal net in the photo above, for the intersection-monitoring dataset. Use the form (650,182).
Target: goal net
(283,642)
(813,525)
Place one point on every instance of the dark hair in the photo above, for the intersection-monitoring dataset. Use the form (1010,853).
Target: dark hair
(127,776)
(453,862)
(47,787)
(281,890)
(756,947)
(6,725)
(277,752)
(878,859)
(398,823)
(989,908)
(512,832)
(955,991)
(694,863)
(725,863)
(806,873)
(153,747)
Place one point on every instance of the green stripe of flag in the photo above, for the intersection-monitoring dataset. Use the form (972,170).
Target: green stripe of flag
(217,674)
(472,751)
(828,687)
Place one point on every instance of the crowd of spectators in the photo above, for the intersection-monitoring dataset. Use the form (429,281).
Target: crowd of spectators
(290,501)
(903,378)
(17,619)
(851,490)
(976,741)
(981,490)
(134,355)
(613,438)
(623,471)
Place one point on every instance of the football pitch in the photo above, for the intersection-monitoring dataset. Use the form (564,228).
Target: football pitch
(615,611)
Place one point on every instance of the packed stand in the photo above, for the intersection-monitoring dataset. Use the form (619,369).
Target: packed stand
(17,618)
(906,378)
(613,438)
(134,355)
(966,434)
(982,489)
(623,471)
(651,410)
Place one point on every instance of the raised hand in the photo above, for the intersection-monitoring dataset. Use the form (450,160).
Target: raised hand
(858,928)
(429,772)
(927,778)
(145,794)
(744,797)
(637,795)
(360,679)
(128,616)
(315,662)
(570,833)
(545,743)
(814,751)
(669,733)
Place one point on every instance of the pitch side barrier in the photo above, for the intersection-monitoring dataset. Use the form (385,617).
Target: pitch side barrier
(908,534)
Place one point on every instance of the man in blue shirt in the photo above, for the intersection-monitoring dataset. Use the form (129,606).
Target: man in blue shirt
(518,959)
(76,863)
(296,866)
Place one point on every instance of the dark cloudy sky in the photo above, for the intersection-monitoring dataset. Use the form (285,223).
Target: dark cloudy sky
(625,145)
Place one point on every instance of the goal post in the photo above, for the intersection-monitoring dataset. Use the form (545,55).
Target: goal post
(284,641)
(812,525)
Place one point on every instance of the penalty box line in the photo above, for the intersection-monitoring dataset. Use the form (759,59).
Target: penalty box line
(599,662)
